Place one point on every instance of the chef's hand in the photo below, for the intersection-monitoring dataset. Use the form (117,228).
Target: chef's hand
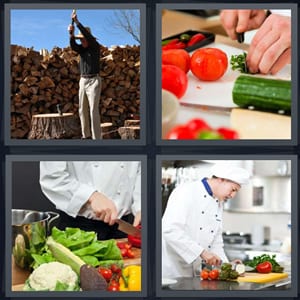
(103,207)
(137,219)
(270,48)
(236,262)
(210,258)
(241,20)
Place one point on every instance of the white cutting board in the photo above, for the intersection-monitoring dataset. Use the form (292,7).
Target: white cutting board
(219,93)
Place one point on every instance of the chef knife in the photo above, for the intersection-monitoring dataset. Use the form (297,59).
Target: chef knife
(209,108)
(128,228)
(249,269)
(240,37)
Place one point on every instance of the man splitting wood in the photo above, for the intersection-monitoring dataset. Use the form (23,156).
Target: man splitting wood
(90,81)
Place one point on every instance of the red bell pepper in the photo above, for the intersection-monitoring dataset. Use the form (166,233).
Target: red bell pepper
(135,241)
(196,38)
(178,45)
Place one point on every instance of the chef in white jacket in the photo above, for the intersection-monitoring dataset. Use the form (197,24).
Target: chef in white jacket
(192,222)
(92,194)
(270,48)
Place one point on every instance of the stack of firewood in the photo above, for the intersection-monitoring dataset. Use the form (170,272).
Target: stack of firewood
(40,81)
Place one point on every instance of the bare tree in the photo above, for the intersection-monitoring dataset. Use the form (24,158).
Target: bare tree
(129,21)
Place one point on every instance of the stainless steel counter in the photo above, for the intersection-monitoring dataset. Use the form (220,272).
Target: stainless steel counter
(195,283)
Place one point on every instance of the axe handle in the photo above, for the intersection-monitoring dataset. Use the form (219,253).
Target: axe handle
(73,12)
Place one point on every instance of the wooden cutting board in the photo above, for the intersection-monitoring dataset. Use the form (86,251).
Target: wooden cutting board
(260,125)
(261,278)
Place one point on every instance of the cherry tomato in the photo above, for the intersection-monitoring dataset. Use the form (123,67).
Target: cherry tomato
(121,245)
(209,64)
(176,57)
(130,253)
(197,125)
(124,252)
(113,286)
(213,274)
(264,267)
(227,133)
(128,246)
(204,274)
(196,38)
(180,132)
(106,273)
(115,269)
(174,80)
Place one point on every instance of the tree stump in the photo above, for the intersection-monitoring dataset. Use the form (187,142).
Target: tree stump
(129,132)
(109,131)
(55,126)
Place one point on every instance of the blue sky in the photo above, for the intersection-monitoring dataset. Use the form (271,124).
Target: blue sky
(47,28)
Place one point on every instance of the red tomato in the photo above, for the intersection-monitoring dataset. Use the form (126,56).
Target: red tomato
(106,273)
(180,132)
(197,125)
(176,57)
(209,64)
(213,274)
(130,253)
(174,80)
(265,267)
(204,274)
(227,133)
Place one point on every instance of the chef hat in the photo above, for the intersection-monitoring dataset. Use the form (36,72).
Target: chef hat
(231,172)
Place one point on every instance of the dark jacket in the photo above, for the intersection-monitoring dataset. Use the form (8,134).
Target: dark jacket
(90,56)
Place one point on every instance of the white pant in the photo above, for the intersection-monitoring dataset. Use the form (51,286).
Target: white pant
(89,97)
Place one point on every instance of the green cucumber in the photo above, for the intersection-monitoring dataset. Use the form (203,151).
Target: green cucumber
(262,94)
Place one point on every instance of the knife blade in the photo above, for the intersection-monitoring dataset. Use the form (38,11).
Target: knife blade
(128,228)
(209,108)
(249,269)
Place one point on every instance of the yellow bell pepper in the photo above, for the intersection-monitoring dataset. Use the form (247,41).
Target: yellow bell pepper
(122,285)
(131,278)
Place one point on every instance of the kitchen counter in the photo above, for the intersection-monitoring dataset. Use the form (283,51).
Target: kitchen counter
(195,283)
(19,275)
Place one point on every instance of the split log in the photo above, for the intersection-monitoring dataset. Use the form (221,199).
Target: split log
(55,126)
(40,81)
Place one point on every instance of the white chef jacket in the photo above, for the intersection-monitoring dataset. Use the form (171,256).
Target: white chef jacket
(191,223)
(70,184)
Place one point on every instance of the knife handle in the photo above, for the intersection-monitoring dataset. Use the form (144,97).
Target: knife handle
(240,37)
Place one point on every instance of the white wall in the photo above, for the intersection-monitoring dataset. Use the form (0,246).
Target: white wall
(243,222)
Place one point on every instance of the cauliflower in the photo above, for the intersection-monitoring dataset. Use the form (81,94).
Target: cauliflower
(53,276)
